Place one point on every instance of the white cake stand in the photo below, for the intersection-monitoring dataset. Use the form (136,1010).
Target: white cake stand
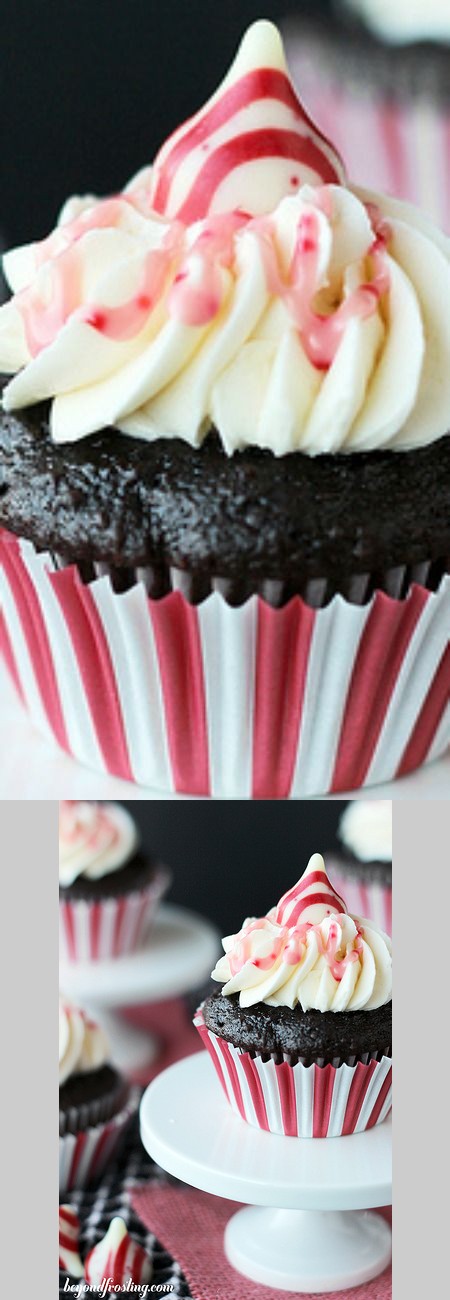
(314,1231)
(176,957)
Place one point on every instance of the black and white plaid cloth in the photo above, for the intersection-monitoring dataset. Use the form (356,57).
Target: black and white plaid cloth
(96,1207)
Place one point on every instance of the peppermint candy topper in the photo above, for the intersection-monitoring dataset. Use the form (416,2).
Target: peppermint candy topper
(251,144)
(69,1232)
(310,900)
(117,1259)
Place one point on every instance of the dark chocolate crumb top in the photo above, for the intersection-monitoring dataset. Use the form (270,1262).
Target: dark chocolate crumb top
(282,1033)
(126,502)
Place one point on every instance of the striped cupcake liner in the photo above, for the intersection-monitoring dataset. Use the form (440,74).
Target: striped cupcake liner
(296,1100)
(110,927)
(409,154)
(370,899)
(83,1156)
(248,702)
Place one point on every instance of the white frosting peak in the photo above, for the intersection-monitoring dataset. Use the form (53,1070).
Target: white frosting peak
(308,950)
(366,829)
(82,1043)
(94,839)
(401,21)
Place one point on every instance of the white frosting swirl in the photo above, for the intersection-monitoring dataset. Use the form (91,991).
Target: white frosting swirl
(400,21)
(94,840)
(82,1044)
(306,322)
(366,829)
(336,963)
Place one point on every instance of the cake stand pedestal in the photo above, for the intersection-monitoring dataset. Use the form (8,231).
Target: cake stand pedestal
(308,1226)
(176,957)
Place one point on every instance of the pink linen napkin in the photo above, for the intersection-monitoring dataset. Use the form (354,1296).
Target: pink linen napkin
(191,1224)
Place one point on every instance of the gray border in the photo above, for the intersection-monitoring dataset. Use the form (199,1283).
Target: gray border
(30,1083)
(421,883)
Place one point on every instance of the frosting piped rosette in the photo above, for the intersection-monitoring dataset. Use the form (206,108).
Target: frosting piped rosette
(94,839)
(308,951)
(240,283)
(83,1045)
(365,829)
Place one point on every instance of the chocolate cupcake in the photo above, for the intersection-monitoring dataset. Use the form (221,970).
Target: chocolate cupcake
(95,1101)
(108,888)
(301,1031)
(275,346)
(362,867)
(377,73)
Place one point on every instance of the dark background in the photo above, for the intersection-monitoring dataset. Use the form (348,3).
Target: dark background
(90,88)
(236,858)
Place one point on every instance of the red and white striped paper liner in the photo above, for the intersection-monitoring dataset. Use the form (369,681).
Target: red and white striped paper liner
(83,1156)
(234,702)
(110,927)
(371,899)
(399,147)
(297,1100)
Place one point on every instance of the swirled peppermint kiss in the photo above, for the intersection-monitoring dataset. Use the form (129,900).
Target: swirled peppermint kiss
(249,146)
(241,284)
(117,1259)
(69,1232)
(308,950)
(94,839)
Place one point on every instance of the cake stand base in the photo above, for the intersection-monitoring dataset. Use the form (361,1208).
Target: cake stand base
(308,1250)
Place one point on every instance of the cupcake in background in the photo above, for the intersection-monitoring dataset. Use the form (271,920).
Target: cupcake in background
(108,887)
(377,74)
(300,1031)
(95,1100)
(362,867)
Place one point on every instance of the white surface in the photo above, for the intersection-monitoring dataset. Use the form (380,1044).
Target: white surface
(32,767)
(308,1250)
(188,1127)
(177,956)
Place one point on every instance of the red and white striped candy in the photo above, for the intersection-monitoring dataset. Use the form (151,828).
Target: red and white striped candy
(117,1259)
(311,899)
(69,1231)
(248,147)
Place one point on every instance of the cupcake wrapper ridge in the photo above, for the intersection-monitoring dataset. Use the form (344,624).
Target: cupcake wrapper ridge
(297,1100)
(83,1156)
(233,702)
(95,931)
